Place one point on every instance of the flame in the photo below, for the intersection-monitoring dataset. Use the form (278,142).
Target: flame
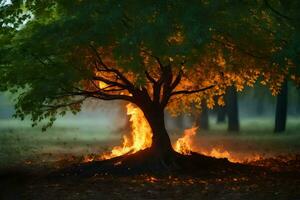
(218,153)
(184,144)
(102,85)
(139,138)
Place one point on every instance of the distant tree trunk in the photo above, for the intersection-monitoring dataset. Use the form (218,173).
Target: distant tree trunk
(203,120)
(298,102)
(221,114)
(232,110)
(281,109)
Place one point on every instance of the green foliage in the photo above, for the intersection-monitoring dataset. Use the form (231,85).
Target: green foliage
(46,57)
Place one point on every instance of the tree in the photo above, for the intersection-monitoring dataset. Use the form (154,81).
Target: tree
(232,110)
(281,109)
(201,117)
(153,54)
(204,118)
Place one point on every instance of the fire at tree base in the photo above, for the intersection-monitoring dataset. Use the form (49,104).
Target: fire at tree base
(135,156)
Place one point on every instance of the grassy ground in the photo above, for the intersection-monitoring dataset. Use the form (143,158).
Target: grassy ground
(23,147)
(20,143)
(255,139)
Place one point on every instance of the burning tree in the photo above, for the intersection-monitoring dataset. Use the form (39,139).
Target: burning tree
(156,55)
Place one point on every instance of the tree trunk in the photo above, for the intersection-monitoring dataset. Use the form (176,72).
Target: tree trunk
(161,143)
(232,110)
(221,114)
(298,101)
(281,109)
(203,120)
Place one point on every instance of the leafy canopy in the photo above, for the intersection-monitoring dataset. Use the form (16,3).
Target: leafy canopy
(55,54)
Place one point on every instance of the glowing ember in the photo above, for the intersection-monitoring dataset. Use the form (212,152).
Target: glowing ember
(183,144)
(139,138)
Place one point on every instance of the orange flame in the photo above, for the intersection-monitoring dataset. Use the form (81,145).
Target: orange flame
(218,153)
(140,137)
(184,144)
(102,85)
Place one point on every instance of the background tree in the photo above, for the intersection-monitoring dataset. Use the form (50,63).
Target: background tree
(232,110)
(153,54)
(200,116)
(281,109)
(204,118)
(286,12)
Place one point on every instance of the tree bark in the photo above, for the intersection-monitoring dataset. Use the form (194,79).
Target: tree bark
(161,143)
(203,120)
(281,109)
(298,101)
(232,110)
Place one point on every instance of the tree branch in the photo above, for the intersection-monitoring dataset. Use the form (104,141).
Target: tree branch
(177,79)
(109,82)
(57,106)
(150,78)
(99,94)
(276,11)
(161,66)
(191,91)
(129,85)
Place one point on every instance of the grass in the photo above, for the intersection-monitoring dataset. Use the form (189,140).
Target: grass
(256,139)
(22,146)
(19,142)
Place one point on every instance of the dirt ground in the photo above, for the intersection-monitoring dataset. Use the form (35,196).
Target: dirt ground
(31,182)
